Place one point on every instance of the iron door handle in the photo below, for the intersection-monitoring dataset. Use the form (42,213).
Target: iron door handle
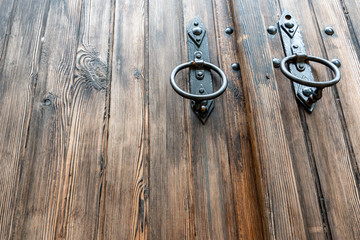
(197,97)
(295,65)
(298,80)
(200,80)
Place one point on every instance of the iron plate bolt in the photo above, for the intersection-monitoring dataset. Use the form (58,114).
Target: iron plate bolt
(272,30)
(329,31)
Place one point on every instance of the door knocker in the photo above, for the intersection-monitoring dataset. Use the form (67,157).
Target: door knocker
(201,88)
(295,65)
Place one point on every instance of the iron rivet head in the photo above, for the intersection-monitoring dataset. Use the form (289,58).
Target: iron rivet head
(295,46)
(197,31)
(272,30)
(329,31)
(198,55)
(336,62)
(291,30)
(301,66)
(200,75)
(235,66)
(308,91)
(289,24)
(276,62)
(229,30)
(201,90)
(203,109)
(198,39)
(196,23)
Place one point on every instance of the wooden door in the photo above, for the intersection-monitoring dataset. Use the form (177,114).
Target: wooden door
(95,144)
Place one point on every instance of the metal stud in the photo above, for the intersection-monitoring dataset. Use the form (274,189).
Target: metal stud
(336,62)
(276,62)
(289,24)
(229,30)
(197,31)
(272,30)
(329,31)
(235,66)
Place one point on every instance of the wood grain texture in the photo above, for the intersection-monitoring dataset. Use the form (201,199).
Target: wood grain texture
(247,206)
(269,141)
(7,12)
(172,206)
(126,204)
(19,69)
(309,188)
(87,128)
(326,142)
(42,195)
(95,144)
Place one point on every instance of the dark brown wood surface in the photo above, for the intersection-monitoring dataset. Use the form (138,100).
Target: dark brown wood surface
(95,144)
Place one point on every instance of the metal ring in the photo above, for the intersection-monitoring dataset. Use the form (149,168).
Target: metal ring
(196,97)
(327,63)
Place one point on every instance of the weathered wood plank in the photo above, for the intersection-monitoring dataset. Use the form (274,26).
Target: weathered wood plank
(87,127)
(18,74)
(325,137)
(351,10)
(279,190)
(309,189)
(212,190)
(7,13)
(246,203)
(172,206)
(47,167)
(346,95)
(126,204)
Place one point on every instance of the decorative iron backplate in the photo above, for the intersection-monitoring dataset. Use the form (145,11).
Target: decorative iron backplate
(200,78)
(293,45)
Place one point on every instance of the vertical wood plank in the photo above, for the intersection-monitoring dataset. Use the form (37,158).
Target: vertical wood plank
(7,13)
(307,180)
(42,197)
(213,194)
(171,204)
(215,199)
(271,150)
(19,67)
(249,219)
(84,189)
(333,127)
(126,204)
(195,165)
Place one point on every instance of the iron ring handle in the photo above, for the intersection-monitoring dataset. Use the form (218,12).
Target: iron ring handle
(320,85)
(196,97)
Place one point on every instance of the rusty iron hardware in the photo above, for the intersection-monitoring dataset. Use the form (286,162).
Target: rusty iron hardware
(295,65)
(201,87)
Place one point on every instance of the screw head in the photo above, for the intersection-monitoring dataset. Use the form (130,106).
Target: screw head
(203,109)
(329,31)
(235,66)
(272,30)
(201,90)
(289,24)
(196,23)
(291,30)
(229,30)
(295,46)
(336,62)
(200,75)
(308,92)
(276,62)
(197,31)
